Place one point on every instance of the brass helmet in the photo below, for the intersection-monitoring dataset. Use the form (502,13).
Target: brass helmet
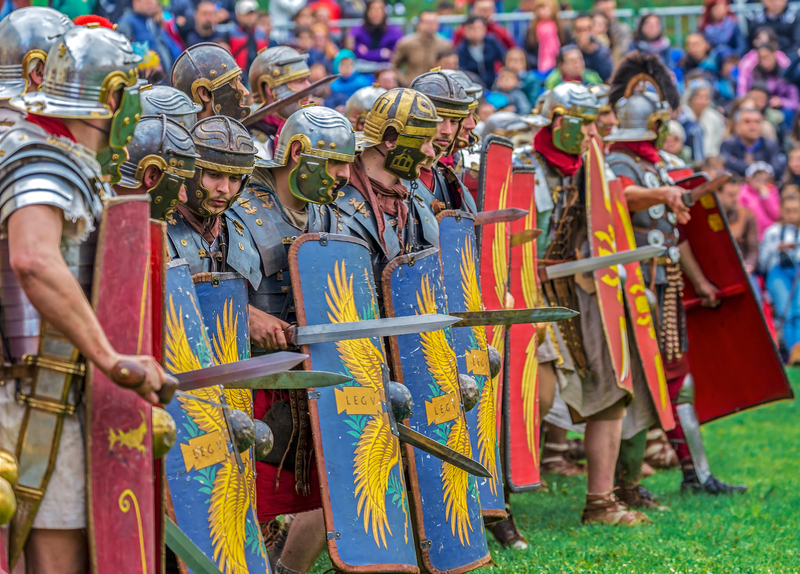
(223,145)
(171,102)
(576,104)
(26,36)
(325,134)
(276,67)
(360,103)
(212,67)
(83,68)
(164,143)
(413,116)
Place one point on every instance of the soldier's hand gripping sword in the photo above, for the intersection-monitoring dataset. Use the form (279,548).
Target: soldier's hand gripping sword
(695,194)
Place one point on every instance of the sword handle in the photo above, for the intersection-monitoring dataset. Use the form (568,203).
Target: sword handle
(167,390)
(131,375)
(290,332)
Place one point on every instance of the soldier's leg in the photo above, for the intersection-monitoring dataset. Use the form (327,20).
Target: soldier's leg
(688,441)
(603,434)
(56,552)
(304,544)
(629,473)
(658,451)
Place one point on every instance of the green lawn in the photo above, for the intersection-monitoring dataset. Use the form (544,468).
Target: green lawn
(758,532)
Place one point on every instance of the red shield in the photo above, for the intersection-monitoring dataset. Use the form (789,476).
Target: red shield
(494,240)
(733,359)
(120,494)
(643,328)
(521,391)
(600,230)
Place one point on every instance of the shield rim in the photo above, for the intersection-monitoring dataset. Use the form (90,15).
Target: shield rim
(480,200)
(415,500)
(300,313)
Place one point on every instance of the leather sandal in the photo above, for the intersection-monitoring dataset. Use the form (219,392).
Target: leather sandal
(659,453)
(508,535)
(606,508)
(637,496)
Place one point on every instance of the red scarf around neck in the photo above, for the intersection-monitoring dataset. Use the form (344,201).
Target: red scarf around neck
(53,126)
(564,162)
(382,198)
(646,150)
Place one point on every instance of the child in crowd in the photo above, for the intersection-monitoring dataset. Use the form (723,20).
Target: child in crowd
(349,81)
(713,166)
(447,60)
(792,175)
(760,195)
(507,84)
(545,36)
(517,62)
(675,140)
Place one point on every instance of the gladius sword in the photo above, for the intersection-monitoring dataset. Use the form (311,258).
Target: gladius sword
(441,451)
(594,263)
(513,316)
(391,326)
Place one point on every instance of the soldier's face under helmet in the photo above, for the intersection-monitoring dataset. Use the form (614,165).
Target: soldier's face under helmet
(222,189)
(446,132)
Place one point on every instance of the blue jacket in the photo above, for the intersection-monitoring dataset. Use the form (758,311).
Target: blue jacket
(138,28)
(493,55)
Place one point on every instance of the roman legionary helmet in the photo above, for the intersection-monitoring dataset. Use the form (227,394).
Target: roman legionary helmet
(171,102)
(360,103)
(26,36)
(325,134)
(276,67)
(83,68)
(509,125)
(223,146)
(643,114)
(166,144)
(212,67)
(413,116)
(475,91)
(449,97)
(577,105)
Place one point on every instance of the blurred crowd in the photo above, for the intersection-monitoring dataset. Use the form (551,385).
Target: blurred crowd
(739,79)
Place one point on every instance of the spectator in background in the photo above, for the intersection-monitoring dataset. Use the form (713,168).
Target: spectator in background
(650,39)
(71,8)
(697,58)
(507,84)
(697,107)
(205,24)
(302,41)
(374,40)
(264,25)
(600,27)
(619,33)
(759,95)
(720,27)
(447,60)
(517,61)
(742,222)
(282,12)
(323,48)
(349,81)
(479,53)
(792,175)
(571,68)
(245,39)
(141,23)
(725,84)
(546,34)
(792,139)
(303,18)
(596,56)
(778,17)
(675,142)
(783,95)
(486,9)
(111,10)
(386,78)
(748,146)
(416,53)
(760,195)
(767,129)
(446,8)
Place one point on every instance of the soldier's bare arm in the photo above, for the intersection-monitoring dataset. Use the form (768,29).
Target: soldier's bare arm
(267,331)
(705,289)
(640,198)
(34,238)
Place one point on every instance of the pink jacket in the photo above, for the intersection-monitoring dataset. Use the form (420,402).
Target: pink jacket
(766,209)
(748,63)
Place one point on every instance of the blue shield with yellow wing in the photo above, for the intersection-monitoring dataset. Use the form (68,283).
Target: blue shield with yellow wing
(364,494)
(462,284)
(445,500)
(215,503)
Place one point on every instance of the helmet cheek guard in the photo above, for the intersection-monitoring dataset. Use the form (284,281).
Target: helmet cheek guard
(568,137)
(123,125)
(310,180)
(659,123)
(164,196)
(406,157)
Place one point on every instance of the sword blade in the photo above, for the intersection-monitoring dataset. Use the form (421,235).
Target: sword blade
(514,316)
(523,237)
(371,328)
(291,380)
(239,371)
(500,216)
(185,549)
(594,263)
(441,451)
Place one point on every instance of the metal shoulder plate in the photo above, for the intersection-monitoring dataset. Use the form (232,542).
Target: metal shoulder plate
(38,169)
(352,212)
(624,165)
(253,208)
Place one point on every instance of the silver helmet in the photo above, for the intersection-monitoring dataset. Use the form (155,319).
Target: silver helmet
(171,102)
(469,136)
(276,67)
(324,134)
(212,67)
(224,146)
(473,89)
(158,141)
(642,117)
(26,36)
(360,103)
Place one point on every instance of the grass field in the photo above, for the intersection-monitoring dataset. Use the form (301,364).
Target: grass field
(758,532)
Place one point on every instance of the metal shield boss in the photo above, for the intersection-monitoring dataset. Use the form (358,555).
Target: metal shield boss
(608,285)
(521,424)
(725,387)
(364,496)
(643,327)
(445,501)
(121,496)
(494,241)
(459,257)
(214,502)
